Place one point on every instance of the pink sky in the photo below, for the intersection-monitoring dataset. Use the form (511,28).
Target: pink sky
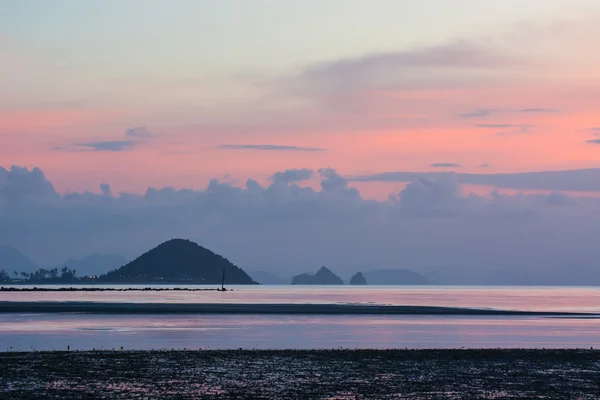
(519,98)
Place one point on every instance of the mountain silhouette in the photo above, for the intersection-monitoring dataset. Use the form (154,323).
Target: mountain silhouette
(181,261)
(395,277)
(268,278)
(358,279)
(323,277)
(12,259)
(96,264)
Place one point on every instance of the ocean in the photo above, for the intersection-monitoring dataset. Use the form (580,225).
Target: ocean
(86,331)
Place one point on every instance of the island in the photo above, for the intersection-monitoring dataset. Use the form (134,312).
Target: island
(323,277)
(358,279)
(179,261)
(395,277)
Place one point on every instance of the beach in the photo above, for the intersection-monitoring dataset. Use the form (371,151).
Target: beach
(302,343)
(294,374)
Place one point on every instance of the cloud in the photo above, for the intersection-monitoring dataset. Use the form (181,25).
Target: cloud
(433,198)
(334,182)
(111,145)
(445,165)
(268,147)
(448,56)
(139,132)
(537,110)
(502,126)
(524,130)
(292,175)
(559,199)
(133,138)
(570,180)
(413,87)
(594,132)
(356,87)
(486,112)
(105,189)
(496,126)
(509,129)
(19,185)
(285,227)
(478,113)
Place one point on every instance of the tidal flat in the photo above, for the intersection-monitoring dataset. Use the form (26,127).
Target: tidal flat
(300,374)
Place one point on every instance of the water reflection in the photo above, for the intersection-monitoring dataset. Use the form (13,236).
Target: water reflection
(82,331)
(584,299)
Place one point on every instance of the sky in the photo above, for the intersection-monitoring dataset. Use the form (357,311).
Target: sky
(353,103)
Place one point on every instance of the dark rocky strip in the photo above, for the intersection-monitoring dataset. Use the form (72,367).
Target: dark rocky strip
(266,308)
(105,289)
(290,374)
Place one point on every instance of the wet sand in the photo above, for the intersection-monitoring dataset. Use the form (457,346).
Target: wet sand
(266,308)
(291,374)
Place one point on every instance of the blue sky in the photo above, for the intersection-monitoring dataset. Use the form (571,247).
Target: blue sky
(155,37)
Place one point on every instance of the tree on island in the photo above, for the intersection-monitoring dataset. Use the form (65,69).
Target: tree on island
(43,275)
(67,274)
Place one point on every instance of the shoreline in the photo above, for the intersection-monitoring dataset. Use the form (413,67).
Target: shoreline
(109,289)
(263,308)
(448,352)
(300,374)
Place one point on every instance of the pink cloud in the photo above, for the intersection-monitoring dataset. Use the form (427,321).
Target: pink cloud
(382,112)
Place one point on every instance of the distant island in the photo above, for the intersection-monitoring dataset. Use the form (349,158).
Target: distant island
(16,268)
(183,262)
(358,279)
(395,277)
(323,277)
(179,261)
(268,278)
(43,276)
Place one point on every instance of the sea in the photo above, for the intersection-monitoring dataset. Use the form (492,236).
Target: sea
(88,331)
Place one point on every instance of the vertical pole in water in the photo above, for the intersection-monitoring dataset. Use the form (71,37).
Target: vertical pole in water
(223,281)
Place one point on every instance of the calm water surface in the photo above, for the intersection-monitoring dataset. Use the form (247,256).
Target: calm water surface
(87,331)
(57,331)
(584,299)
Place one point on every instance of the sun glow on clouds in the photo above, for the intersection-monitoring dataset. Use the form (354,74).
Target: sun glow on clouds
(431,220)
(520,98)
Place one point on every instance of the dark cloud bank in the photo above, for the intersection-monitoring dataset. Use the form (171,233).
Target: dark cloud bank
(287,228)
(582,180)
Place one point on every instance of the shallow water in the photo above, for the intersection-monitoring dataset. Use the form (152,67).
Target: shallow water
(582,299)
(87,331)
